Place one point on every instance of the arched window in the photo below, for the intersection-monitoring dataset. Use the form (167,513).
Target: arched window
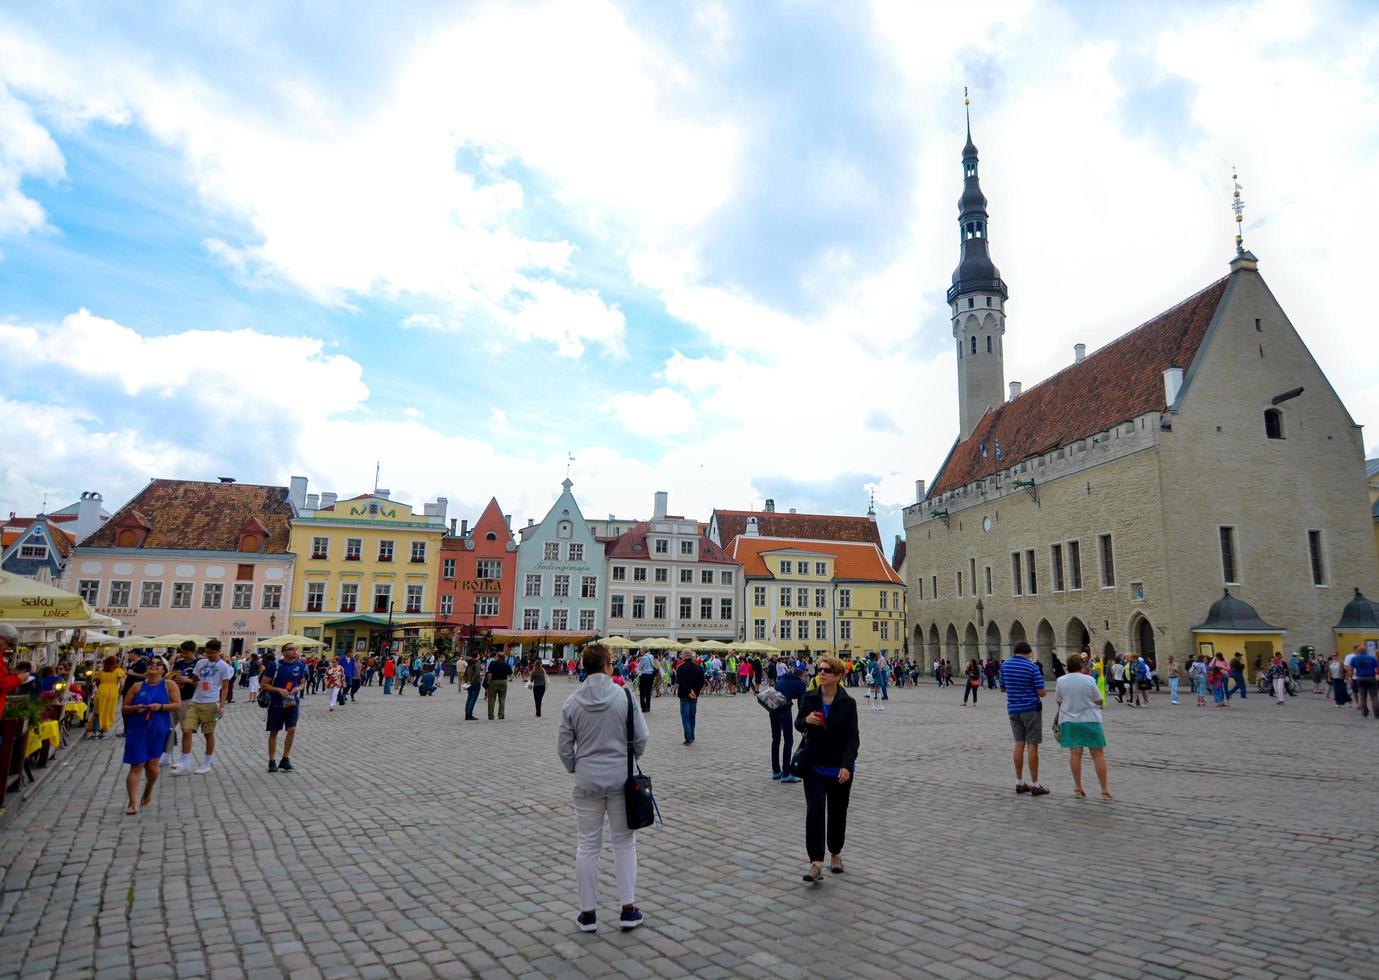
(1273,423)
(974,345)
(988,343)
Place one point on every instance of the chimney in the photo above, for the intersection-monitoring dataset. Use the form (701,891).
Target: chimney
(662,503)
(313,501)
(919,490)
(507,519)
(88,514)
(770,505)
(1079,352)
(1173,383)
(226,479)
(453,522)
(751,527)
(792,510)
(464,528)
(442,505)
(328,500)
(1014,390)
(296,492)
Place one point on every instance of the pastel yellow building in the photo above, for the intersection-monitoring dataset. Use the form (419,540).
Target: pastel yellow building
(821,596)
(1233,627)
(369,569)
(1359,626)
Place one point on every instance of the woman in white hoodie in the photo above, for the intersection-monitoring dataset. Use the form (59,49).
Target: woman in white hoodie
(592,743)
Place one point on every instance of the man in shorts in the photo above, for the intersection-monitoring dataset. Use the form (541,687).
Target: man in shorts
(1023,682)
(206,706)
(182,674)
(284,681)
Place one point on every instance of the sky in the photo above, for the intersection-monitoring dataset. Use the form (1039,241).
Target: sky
(694,247)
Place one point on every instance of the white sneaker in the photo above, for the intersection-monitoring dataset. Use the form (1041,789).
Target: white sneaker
(181,770)
(203,770)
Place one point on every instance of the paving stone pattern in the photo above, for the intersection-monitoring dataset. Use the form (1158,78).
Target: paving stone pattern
(410,843)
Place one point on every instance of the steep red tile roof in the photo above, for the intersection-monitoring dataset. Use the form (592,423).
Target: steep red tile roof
(852,561)
(815,527)
(188,515)
(1120,381)
(631,544)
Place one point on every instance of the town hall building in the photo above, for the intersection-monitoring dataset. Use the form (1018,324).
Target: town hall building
(1110,506)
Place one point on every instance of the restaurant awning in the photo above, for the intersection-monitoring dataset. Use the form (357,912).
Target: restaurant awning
(360,619)
(541,636)
(27,604)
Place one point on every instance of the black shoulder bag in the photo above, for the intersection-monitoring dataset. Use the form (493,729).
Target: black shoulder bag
(641,803)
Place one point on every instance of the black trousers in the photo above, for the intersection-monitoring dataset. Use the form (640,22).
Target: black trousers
(826,805)
(645,682)
(971,689)
(538,693)
(782,731)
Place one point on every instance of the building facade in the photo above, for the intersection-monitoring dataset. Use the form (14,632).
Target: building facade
(560,572)
(820,596)
(665,578)
(1111,505)
(184,556)
(37,549)
(478,575)
(368,569)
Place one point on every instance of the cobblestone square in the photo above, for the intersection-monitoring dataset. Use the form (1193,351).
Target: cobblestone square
(411,843)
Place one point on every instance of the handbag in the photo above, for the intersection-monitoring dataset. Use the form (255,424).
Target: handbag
(799,759)
(1057,723)
(641,802)
(264,699)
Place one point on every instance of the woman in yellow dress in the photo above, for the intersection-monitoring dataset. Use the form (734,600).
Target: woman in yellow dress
(107,697)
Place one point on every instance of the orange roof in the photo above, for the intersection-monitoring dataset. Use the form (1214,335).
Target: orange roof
(815,527)
(1120,381)
(851,561)
(189,515)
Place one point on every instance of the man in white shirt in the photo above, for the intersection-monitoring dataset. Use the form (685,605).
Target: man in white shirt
(212,676)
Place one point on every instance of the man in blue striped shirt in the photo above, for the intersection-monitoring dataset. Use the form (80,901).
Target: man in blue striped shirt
(1023,682)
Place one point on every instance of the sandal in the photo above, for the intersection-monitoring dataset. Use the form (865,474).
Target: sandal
(147,799)
(1108,798)
(814,875)
(1080,794)
(131,811)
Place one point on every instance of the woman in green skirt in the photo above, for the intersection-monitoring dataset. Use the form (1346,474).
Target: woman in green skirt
(1079,710)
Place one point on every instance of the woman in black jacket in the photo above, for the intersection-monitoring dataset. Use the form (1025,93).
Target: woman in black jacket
(828,719)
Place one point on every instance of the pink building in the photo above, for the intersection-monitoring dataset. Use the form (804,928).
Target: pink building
(185,556)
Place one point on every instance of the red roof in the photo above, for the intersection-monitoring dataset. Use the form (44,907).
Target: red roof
(189,515)
(1117,383)
(852,561)
(815,527)
(632,545)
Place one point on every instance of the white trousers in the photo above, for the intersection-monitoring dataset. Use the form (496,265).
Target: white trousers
(253,685)
(590,817)
(1280,688)
(334,693)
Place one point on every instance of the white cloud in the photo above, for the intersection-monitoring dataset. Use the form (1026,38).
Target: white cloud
(657,413)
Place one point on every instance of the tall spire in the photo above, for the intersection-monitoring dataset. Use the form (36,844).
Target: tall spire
(975,269)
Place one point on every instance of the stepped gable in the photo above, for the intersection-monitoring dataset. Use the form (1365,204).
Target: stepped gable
(1120,381)
(191,515)
(814,527)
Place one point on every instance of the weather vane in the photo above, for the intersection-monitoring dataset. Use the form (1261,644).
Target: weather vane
(1238,206)
(569,461)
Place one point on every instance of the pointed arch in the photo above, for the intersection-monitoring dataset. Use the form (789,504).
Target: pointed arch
(1044,643)
(1014,636)
(935,647)
(993,640)
(971,647)
(1141,638)
(1076,637)
(951,651)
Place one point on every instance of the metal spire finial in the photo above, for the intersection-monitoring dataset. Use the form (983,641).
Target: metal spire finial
(1238,206)
(967,108)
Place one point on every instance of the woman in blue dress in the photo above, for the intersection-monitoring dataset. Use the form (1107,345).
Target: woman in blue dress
(149,706)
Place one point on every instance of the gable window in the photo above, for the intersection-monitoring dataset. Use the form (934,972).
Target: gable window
(787,567)
(182,595)
(662,546)
(1228,563)
(1108,562)
(821,568)
(687,548)
(1273,423)
(489,569)
(551,551)
(576,550)
(39,549)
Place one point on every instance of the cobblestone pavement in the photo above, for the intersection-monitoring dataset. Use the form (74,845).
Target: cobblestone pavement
(411,843)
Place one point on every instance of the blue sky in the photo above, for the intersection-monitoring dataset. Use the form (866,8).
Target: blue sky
(702,247)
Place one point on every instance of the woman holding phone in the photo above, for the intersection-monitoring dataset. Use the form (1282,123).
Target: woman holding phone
(148,707)
(828,719)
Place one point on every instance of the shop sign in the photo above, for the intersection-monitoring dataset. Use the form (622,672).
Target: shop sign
(486,586)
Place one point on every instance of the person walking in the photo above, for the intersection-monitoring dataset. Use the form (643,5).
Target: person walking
(148,708)
(1335,672)
(791,687)
(1171,669)
(646,679)
(496,680)
(350,684)
(592,743)
(1277,676)
(335,682)
(255,673)
(1197,674)
(284,681)
(689,682)
(1080,724)
(1237,679)
(538,684)
(974,683)
(828,721)
(1023,682)
(1364,668)
(389,674)
(211,686)
(107,698)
